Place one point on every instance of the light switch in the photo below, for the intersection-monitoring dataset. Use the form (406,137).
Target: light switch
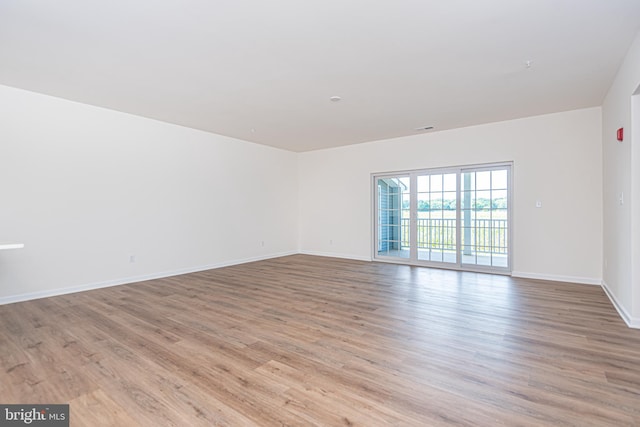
(622,198)
(538,203)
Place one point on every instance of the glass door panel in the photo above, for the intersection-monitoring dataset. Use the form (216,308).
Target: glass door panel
(485,218)
(436,217)
(394,207)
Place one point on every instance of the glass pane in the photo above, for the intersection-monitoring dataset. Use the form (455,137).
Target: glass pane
(385,218)
(436,183)
(467,215)
(499,179)
(423,183)
(436,201)
(450,180)
(467,236)
(483,180)
(468,254)
(499,199)
(468,181)
(406,201)
(449,201)
(483,200)
(423,202)
(436,214)
(467,197)
(499,214)
(483,259)
(500,261)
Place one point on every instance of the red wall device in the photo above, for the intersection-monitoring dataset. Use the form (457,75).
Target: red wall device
(620,134)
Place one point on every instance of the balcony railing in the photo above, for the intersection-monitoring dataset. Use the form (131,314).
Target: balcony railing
(482,235)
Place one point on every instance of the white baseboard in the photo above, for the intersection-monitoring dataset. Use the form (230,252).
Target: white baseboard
(555,278)
(133,279)
(632,322)
(335,255)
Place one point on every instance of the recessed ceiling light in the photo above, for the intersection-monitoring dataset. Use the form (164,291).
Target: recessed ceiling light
(424,128)
(335,99)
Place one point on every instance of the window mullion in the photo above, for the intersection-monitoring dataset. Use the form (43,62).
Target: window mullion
(413,214)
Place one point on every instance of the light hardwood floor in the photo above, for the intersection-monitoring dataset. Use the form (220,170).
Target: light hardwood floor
(305,340)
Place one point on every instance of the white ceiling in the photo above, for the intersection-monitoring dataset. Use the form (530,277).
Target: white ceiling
(264,71)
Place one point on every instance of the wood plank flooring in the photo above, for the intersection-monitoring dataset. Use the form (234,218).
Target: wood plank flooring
(305,340)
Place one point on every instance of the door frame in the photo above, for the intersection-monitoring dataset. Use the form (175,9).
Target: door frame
(413,258)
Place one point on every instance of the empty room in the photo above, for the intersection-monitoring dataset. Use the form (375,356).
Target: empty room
(323,213)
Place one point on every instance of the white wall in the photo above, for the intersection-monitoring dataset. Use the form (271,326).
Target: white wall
(621,163)
(85,188)
(557,159)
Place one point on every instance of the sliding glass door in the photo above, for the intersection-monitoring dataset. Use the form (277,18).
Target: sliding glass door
(455,218)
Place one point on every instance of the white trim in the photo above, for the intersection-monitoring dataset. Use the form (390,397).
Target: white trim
(632,322)
(4,246)
(335,255)
(557,278)
(122,281)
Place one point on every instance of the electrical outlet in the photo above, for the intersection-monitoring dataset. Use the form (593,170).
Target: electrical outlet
(132,259)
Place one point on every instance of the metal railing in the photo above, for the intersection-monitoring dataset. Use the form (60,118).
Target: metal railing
(482,235)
